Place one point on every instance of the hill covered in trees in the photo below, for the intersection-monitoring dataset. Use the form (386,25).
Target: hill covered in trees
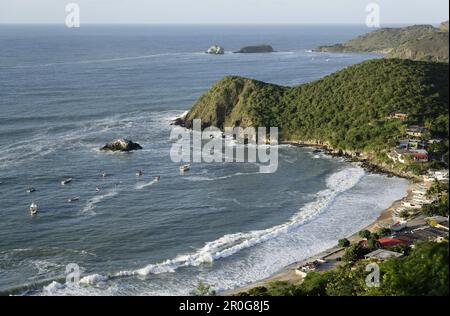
(418,42)
(347,110)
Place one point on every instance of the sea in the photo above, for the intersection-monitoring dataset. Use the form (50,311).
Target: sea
(65,92)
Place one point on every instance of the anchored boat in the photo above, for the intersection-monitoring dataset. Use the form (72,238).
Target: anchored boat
(185,168)
(66,181)
(33,208)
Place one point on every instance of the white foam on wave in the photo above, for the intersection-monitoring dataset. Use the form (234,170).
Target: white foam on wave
(203,178)
(91,204)
(93,279)
(141,186)
(231,244)
(227,245)
(78,135)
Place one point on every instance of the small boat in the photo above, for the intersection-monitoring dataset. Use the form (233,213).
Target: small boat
(139,173)
(33,208)
(97,189)
(73,199)
(157,178)
(31,190)
(104,174)
(185,168)
(66,181)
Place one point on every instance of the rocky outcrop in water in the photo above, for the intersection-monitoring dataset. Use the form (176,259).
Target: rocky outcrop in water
(216,50)
(256,49)
(122,144)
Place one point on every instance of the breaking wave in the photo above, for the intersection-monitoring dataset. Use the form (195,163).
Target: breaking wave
(231,244)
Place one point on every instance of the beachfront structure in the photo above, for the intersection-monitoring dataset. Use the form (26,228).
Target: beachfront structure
(442,176)
(308,267)
(398,116)
(403,155)
(390,242)
(412,205)
(383,254)
(417,131)
(411,144)
(428,233)
(398,155)
(420,155)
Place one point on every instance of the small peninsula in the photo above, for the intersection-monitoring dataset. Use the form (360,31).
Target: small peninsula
(417,42)
(351,111)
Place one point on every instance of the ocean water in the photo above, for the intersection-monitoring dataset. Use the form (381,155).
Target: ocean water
(66,92)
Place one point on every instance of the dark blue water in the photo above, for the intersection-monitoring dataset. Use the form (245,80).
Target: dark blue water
(66,92)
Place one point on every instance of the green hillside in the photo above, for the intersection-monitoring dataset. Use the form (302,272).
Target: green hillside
(417,42)
(347,109)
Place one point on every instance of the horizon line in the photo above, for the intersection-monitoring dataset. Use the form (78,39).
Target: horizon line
(215,24)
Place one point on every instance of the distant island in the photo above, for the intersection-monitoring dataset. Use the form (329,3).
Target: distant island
(256,49)
(418,42)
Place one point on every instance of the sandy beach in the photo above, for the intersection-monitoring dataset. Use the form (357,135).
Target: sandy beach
(331,255)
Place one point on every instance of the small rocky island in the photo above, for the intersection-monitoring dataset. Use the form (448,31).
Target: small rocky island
(122,144)
(216,50)
(256,49)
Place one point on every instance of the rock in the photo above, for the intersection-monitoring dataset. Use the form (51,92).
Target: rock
(256,49)
(121,145)
(178,122)
(216,50)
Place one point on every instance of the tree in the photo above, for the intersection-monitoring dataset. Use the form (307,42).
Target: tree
(354,253)
(203,289)
(314,284)
(344,243)
(372,244)
(424,272)
(365,234)
(384,231)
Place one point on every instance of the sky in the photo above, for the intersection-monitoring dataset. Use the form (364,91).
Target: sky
(224,11)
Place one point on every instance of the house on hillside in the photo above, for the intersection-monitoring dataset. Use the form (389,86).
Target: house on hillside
(441,175)
(382,255)
(411,144)
(398,155)
(420,155)
(403,155)
(398,116)
(417,131)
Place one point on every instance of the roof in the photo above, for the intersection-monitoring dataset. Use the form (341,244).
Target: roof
(383,254)
(420,151)
(438,219)
(420,155)
(389,242)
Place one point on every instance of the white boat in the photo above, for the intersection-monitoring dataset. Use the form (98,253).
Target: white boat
(185,168)
(139,173)
(66,181)
(157,178)
(104,174)
(73,199)
(31,190)
(399,226)
(33,208)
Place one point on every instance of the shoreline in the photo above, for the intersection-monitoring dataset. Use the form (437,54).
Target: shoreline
(385,218)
